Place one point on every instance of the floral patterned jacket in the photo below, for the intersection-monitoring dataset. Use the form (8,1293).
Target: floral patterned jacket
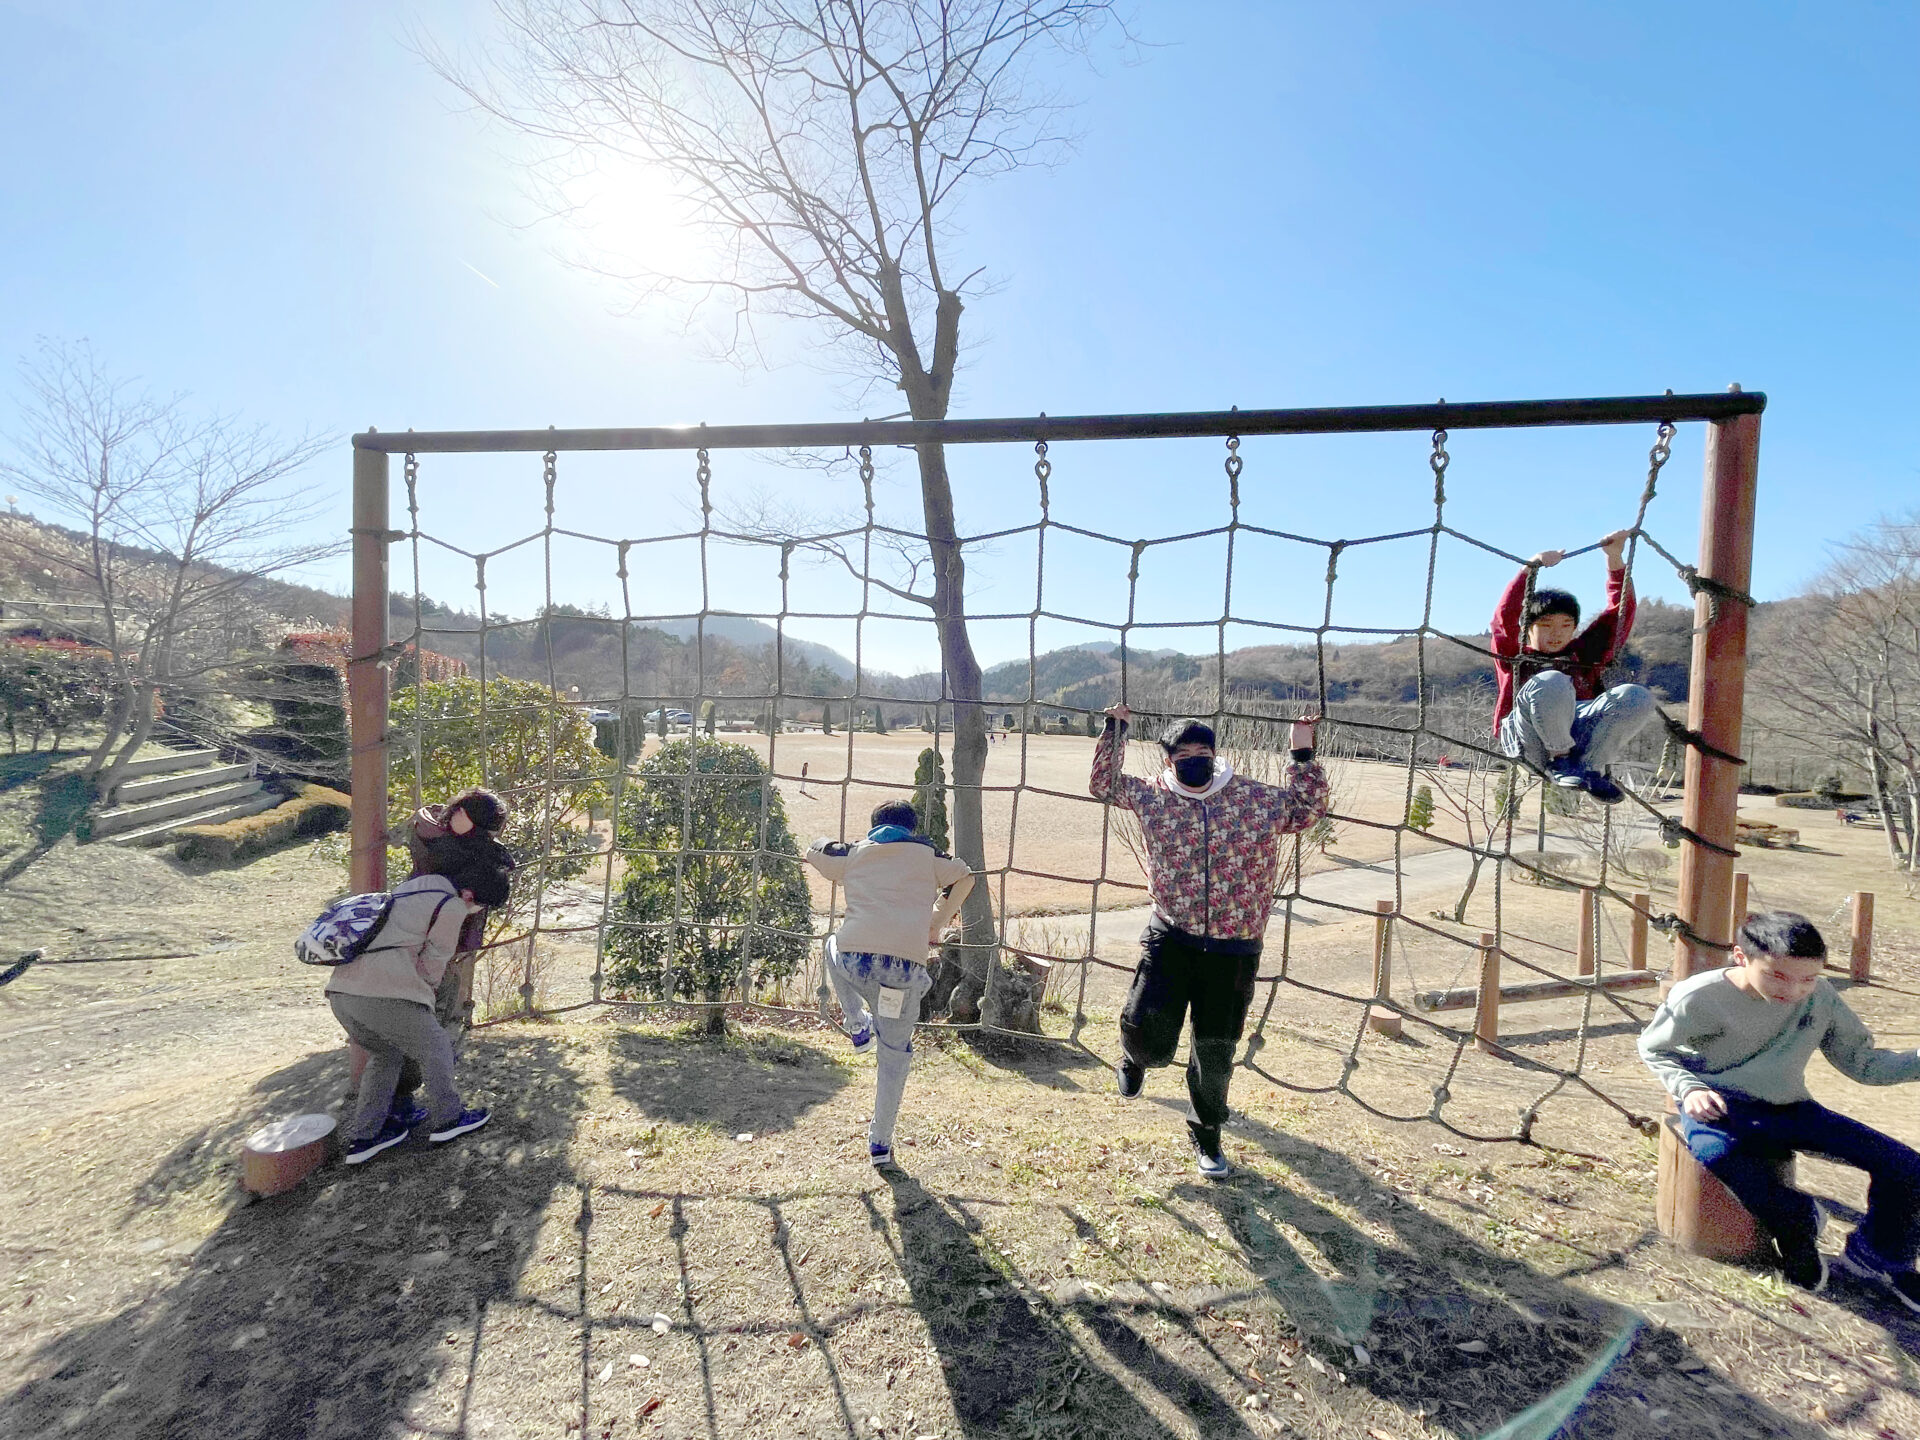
(1212,863)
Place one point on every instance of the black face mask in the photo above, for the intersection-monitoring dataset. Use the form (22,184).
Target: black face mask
(1193,771)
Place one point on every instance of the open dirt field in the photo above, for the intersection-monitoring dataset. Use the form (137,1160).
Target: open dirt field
(1061,834)
(667,1235)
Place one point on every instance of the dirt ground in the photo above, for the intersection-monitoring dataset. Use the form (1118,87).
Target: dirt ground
(662,1234)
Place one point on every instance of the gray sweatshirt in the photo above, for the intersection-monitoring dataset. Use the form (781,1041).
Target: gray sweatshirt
(1709,1034)
(408,959)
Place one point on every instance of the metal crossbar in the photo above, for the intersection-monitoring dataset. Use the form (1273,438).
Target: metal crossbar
(853,547)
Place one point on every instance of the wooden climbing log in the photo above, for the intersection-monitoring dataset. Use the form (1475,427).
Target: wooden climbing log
(1737,911)
(1698,1213)
(1637,931)
(1469,997)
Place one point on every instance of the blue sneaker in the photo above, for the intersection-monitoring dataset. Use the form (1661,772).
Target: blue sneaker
(862,1039)
(361,1151)
(468,1120)
(408,1114)
(881,1156)
(1899,1281)
(1568,773)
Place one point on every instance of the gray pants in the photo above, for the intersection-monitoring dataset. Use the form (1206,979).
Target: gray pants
(393,1032)
(454,1013)
(1548,719)
(858,980)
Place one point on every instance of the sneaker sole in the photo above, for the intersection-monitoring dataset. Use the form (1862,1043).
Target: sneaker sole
(1120,1086)
(1216,1175)
(1878,1277)
(440,1137)
(360,1157)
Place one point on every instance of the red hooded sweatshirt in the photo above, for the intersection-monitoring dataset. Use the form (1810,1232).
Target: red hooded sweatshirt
(1584,662)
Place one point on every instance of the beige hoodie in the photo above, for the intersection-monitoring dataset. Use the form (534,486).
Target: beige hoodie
(891,890)
(410,953)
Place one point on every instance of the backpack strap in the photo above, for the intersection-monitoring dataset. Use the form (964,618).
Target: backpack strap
(381,924)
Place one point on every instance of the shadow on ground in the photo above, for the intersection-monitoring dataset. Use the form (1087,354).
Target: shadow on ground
(59,804)
(751,1081)
(322,1311)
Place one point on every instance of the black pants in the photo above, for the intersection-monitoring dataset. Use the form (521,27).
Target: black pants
(1177,975)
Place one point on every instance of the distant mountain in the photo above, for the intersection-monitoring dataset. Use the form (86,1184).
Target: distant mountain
(747,633)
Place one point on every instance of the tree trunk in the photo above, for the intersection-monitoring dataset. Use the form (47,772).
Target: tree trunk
(1473,879)
(137,734)
(117,717)
(1877,777)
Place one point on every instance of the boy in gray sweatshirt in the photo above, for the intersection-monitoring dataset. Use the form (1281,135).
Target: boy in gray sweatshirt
(1731,1046)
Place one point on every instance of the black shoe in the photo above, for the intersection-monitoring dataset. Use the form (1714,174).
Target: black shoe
(1803,1263)
(1602,788)
(1130,1077)
(1213,1165)
(1902,1285)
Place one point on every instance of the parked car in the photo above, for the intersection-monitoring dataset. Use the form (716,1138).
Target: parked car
(674,717)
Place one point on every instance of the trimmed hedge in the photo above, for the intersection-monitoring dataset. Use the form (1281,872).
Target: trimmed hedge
(313,810)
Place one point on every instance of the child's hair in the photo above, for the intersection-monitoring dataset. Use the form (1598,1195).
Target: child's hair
(896,812)
(486,809)
(482,874)
(1186,732)
(1553,602)
(1782,932)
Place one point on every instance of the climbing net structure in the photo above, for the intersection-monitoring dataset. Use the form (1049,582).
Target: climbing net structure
(665,847)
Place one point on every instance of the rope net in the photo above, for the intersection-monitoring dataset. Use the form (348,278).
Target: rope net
(658,844)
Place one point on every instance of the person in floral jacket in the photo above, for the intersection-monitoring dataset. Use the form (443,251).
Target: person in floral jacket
(1213,856)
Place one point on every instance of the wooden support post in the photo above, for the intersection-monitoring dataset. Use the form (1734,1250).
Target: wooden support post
(367,674)
(1689,1204)
(1589,925)
(1486,1020)
(1860,943)
(1637,931)
(1737,911)
(1717,689)
(1380,1019)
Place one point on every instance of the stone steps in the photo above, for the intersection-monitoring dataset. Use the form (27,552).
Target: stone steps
(121,819)
(157,787)
(168,762)
(167,829)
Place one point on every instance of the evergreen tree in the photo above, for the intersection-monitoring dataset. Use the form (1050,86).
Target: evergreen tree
(705,914)
(1420,812)
(930,797)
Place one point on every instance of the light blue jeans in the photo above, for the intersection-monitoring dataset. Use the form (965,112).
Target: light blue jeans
(1549,719)
(858,978)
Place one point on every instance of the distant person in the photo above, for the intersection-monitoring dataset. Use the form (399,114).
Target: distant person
(1552,711)
(1731,1046)
(803,779)
(1213,857)
(384,1000)
(441,838)
(901,894)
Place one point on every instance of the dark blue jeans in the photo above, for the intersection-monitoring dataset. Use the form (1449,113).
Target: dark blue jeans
(1741,1150)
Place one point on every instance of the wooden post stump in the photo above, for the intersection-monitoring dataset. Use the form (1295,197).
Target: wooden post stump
(1381,1019)
(1701,1215)
(1860,942)
(1737,911)
(1637,931)
(1486,1024)
(279,1156)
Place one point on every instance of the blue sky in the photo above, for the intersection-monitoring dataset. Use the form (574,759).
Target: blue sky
(281,210)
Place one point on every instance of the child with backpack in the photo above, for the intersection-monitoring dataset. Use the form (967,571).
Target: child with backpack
(384,1000)
(439,839)
(901,893)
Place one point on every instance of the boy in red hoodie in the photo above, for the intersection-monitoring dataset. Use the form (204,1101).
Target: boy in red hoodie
(1552,710)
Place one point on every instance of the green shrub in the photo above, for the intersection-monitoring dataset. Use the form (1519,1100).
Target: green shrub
(313,810)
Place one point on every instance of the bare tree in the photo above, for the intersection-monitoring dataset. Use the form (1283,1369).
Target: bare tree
(822,147)
(176,516)
(1843,670)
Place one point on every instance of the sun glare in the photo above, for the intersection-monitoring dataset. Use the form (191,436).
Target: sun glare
(629,220)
